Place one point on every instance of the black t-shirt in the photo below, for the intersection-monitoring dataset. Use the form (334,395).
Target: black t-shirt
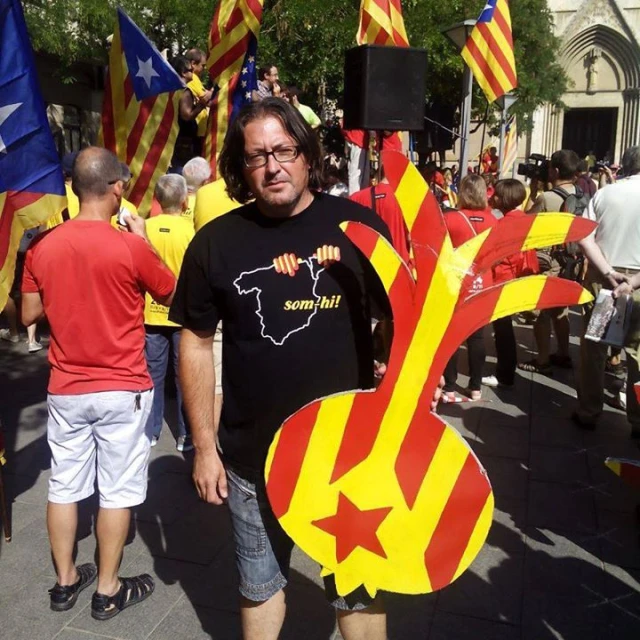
(287,340)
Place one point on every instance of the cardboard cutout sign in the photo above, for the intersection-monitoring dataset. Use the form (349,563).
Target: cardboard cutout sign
(371,484)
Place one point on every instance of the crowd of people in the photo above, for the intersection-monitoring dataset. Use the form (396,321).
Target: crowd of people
(124,296)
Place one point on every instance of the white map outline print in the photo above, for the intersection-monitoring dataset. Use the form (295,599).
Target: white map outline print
(258,291)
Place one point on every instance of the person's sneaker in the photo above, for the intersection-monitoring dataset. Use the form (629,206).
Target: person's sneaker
(5,334)
(63,598)
(154,441)
(184,443)
(34,346)
(490,381)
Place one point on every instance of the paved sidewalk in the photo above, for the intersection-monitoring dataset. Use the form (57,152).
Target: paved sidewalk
(562,559)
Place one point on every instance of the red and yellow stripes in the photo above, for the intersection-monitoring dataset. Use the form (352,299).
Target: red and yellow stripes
(489,51)
(234,22)
(21,210)
(381,22)
(379,490)
(628,470)
(141,133)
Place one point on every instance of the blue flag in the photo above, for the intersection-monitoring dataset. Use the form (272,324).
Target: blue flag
(150,73)
(248,81)
(28,157)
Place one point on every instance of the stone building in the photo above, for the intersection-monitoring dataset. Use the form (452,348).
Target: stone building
(600,52)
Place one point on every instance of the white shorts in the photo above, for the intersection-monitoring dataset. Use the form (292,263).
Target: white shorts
(217,358)
(104,435)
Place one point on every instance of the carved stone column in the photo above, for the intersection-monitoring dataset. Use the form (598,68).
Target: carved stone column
(631,118)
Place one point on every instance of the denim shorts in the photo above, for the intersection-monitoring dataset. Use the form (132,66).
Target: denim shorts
(263,549)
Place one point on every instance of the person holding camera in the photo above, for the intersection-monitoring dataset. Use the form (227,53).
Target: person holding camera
(613,252)
(554,262)
(88,279)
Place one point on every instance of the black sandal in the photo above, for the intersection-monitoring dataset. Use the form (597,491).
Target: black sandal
(534,367)
(63,598)
(131,591)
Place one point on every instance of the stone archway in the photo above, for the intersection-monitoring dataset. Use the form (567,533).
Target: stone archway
(603,66)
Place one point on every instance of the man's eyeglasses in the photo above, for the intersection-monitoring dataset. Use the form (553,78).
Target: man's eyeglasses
(282,155)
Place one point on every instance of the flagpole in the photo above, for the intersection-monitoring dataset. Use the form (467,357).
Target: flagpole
(506,101)
(458,34)
(484,133)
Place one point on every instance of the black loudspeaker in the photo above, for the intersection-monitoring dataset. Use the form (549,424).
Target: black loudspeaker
(384,88)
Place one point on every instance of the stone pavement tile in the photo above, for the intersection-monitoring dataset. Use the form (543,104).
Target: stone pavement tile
(197,536)
(25,612)
(509,477)
(27,488)
(559,506)
(507,528)
(553,464)
(188,622)
(409,616)
(562,579)
(74,634)
(491,588)
(453,627)
(504,437)
(553,397)
(218,583)
(619,538)
(611,493)
(168,496)
(30,460)
(140,620)
(464,422)
(555,432)
(622,587)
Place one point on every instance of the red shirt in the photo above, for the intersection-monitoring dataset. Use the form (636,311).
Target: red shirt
(519,264)
(387,207)
(92,280)
(466,224)
(356,136)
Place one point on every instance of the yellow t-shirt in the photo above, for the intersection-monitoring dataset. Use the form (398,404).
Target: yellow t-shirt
(211,202)
(188,213)
(170,236)
(197,88)
(73,207)
(125,204)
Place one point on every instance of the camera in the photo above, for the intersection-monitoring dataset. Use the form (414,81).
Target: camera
(536,166)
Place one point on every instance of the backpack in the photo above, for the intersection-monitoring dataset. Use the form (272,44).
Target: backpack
(569,256)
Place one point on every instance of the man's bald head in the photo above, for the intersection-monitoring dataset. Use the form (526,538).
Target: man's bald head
(95,171)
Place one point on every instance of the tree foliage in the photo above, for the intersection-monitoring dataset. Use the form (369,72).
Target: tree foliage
(307,39)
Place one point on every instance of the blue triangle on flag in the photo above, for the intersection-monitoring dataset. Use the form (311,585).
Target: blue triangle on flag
(28,156)
(150,73)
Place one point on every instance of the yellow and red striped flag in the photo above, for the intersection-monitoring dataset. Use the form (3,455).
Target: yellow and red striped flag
(510,147)
(31,182)
(232,48)
(381,22)
(489,51)
(140,109)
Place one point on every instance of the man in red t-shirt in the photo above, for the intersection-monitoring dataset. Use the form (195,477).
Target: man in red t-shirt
(89,280)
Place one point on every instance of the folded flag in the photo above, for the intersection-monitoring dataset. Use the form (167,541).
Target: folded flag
(31,182)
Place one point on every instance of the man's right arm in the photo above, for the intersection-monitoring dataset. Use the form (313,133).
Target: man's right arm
(198,383)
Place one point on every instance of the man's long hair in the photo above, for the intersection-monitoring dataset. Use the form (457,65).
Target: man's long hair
(232,155)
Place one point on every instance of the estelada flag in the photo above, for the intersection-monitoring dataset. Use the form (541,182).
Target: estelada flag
(140,109)
(31,182)
(233,41)
(489,51)
(381,22)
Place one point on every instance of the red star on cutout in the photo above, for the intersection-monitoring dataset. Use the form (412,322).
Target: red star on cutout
(354,528)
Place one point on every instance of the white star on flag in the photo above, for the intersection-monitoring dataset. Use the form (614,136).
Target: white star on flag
(146,71)
(244,84)
(245,71)
(251,59)
(247,95)
(5,112)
